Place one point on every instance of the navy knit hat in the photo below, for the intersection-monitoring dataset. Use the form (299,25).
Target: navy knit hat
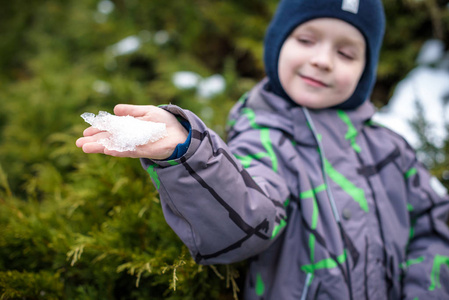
(365,15)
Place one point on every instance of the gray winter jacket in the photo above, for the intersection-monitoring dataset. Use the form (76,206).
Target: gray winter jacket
(324,204)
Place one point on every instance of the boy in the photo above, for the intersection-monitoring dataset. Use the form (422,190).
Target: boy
(323,203)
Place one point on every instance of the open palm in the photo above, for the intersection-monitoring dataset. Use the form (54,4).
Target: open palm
(158,150)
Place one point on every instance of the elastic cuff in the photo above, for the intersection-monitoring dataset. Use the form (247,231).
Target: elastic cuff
(181,149)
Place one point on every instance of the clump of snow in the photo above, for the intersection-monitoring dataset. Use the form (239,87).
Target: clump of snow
(424,86)
(186,80)
(431,52)
(105,7)
(206,88)
(127,45)
(126,132)
(209,87)
(161,37)
(422,97)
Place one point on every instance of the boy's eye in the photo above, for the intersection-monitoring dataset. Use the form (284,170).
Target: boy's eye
(304,41)
(346,55)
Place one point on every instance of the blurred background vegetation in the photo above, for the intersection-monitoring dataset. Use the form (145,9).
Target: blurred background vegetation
(76,226)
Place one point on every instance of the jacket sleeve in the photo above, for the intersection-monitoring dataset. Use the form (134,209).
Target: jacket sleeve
(426,269)
(222,211)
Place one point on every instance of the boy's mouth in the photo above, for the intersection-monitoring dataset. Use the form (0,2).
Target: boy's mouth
(313,81)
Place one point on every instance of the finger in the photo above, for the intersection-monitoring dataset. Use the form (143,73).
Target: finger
(85,140)
(92,138)
(90,131)
(80,142)
(132,110)
(93,148)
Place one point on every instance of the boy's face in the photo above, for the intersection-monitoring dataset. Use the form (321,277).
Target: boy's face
(321,62)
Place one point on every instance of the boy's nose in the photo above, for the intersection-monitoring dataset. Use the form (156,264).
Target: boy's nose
(322,58)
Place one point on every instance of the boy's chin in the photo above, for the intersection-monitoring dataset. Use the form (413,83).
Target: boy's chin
(316,104)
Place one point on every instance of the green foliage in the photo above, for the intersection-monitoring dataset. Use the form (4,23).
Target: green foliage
(77,226)
(41,285)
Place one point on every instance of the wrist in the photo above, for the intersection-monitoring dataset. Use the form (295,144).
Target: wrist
(181,148)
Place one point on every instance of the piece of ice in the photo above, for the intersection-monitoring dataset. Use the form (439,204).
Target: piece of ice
(126,132)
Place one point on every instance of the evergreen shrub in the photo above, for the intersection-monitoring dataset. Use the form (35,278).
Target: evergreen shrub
(77,226)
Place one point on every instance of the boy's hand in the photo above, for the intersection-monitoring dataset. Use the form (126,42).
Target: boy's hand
(158,150)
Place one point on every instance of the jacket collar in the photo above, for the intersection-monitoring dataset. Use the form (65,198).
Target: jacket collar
(289,117)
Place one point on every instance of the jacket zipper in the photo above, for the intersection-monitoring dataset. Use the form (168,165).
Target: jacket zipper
(330,196)
(305,291)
